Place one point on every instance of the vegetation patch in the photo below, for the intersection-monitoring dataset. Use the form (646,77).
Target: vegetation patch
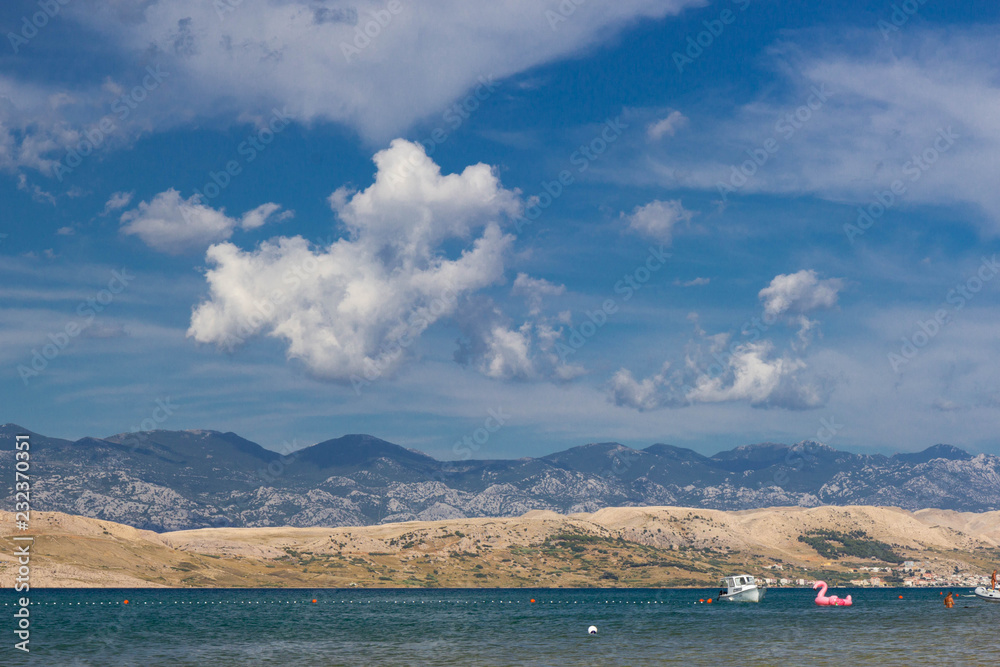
(857,544)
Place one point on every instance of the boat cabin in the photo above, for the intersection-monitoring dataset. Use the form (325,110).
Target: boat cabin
(739,581)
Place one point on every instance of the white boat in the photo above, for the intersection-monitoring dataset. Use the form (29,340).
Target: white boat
(988,594)
(991,594)
(742,588)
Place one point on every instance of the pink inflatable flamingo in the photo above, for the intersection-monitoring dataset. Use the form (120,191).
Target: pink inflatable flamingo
(833,600)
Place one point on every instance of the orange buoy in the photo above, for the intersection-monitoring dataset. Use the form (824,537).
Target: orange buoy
(532,600)
(126,601)
(709,600)
(314,601)
(702,600)
(900,597)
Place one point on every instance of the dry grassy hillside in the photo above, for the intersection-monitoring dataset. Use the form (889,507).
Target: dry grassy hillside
(630,546)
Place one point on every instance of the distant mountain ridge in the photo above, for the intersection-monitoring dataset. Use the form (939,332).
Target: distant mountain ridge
(175,480)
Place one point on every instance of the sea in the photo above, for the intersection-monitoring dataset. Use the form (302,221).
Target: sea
(305,627)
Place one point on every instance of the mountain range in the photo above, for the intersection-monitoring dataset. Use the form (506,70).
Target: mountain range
(176,480)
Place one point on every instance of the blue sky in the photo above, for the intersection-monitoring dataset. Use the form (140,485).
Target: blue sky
(575,215)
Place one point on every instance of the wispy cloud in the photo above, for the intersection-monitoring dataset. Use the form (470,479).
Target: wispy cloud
(854,115)
(117,201)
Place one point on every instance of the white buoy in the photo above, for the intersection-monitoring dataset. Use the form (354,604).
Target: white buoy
(592,630)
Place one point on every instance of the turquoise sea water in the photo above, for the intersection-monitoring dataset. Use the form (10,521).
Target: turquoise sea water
(497,627)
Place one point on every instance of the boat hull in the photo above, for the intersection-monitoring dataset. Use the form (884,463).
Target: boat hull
(748,595)
(989,595)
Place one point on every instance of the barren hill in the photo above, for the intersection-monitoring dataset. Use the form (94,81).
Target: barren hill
(620,546)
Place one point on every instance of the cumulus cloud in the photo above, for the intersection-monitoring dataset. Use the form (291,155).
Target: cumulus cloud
(718,369)
(174,225)
(799,293)
(533,350)
(656,219)
(668,126)
(349,310)
(507,353)
(754,375)
(748,372)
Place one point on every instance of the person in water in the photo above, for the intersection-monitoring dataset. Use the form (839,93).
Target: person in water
(949,600)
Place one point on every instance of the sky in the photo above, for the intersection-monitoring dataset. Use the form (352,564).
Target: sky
(527,224)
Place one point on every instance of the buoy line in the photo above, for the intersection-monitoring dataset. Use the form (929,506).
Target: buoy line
(384,601)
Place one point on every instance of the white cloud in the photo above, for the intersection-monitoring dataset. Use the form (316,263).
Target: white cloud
(411,207)
(747,372)
(717,369)
(315,61)
(754,376)
(65,231)
(174,225)
(656,220)
(257,217)
(117,201)
(535,350)
(508,353)
(668,126)
(799,293)
(643,394)
(534,289)
(349,310)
